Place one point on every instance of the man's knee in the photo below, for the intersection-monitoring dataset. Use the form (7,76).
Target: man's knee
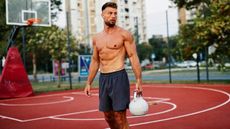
(120,117)
(109,116)
(116,120)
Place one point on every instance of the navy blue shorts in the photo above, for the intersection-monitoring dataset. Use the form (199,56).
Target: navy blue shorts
(114,91)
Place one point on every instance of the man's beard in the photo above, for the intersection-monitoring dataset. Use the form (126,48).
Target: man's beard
(110,23)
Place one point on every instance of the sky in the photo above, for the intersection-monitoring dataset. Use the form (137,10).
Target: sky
(156,18)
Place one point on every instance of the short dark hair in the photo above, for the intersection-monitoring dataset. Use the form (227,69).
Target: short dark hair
(109,4)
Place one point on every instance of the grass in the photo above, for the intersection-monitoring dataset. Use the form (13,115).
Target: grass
(52,86)
(39,87)
(42,87)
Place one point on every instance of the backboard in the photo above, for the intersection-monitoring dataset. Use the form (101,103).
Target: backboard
(19,11)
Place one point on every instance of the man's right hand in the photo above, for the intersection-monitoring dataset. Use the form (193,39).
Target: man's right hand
(87,90)
(138,89)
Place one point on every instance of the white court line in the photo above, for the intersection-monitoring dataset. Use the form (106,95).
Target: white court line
(130,117)
(46,117)
(51,117)
(161,120)
(190,114)
(34,97)
(90,111)
(174,106)
(37,104)
(10,118)
(43,96)
(39,118)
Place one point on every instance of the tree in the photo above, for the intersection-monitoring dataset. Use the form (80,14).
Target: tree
(190,4)
(216,29)
(35,45)
(188,42)
(4,29)
(159,47)
(55,42)
(37,35)
(144,51)
(210,27)
(176,51)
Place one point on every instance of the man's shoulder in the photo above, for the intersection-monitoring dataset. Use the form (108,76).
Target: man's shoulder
(125,33)
(122,30)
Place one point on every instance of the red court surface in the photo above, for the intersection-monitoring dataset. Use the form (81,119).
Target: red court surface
(171,106)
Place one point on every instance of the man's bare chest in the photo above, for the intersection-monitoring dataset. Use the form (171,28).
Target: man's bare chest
(110,42)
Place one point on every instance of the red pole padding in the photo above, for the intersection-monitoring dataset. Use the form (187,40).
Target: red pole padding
(14,81)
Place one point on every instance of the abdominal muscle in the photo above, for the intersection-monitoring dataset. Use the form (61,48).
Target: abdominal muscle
(111,60)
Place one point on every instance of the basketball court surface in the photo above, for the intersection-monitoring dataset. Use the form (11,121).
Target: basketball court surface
(171,106)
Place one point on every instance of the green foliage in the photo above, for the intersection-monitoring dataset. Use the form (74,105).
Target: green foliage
(210,27)
(4,29)
(42,43)
(55,41)
(159,47)
(144,51)
(188,42)
(83,49)
(175,48)
(190,4)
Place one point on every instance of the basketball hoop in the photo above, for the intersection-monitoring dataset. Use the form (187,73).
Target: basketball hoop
(31,21)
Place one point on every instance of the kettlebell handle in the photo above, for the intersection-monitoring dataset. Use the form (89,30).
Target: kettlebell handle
(135,95)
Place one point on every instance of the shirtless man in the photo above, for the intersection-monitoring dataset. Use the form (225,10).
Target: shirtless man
(110,47)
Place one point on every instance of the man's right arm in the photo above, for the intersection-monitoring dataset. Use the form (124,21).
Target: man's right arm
(93,68)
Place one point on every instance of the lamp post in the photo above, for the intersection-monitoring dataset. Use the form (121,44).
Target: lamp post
(68,41)
(169,47)
(196,56)
(87,33)
(24,46)
(206,61)
(137,31)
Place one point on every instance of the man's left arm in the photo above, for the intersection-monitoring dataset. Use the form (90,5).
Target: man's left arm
(131,51)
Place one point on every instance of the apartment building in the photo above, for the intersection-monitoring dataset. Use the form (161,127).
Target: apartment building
(82,19)
(85,18)
(185,16)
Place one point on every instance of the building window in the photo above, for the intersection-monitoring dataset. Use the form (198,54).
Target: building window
(92,11)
